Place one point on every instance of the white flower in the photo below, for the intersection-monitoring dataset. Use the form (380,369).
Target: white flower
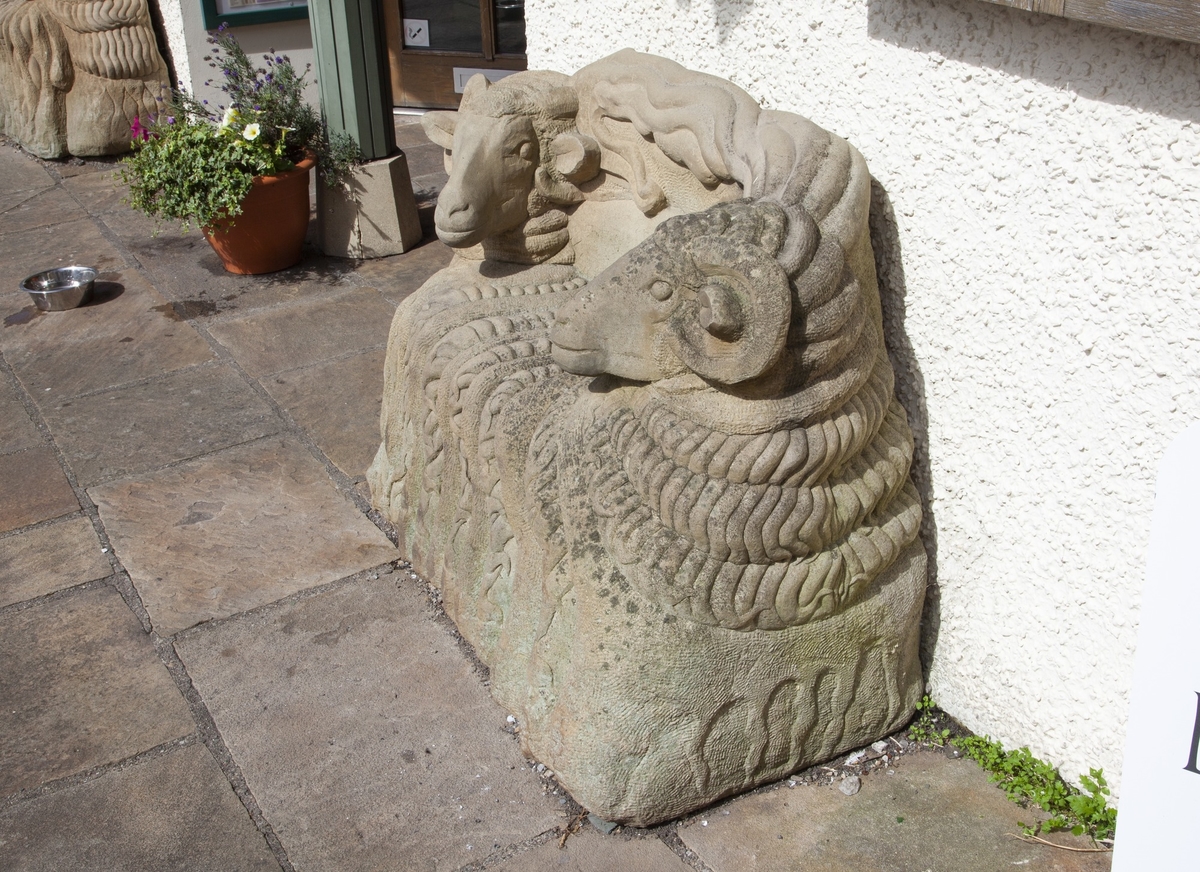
(231,115)
(251,132)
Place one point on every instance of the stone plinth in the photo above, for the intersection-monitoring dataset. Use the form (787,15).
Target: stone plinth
(374,214)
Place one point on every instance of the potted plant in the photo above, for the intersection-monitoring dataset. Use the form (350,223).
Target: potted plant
(239,171)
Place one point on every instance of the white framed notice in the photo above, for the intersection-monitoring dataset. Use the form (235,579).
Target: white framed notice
(1160,778)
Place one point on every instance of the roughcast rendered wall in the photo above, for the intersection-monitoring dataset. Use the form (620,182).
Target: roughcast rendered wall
(183,23)
(1035,220)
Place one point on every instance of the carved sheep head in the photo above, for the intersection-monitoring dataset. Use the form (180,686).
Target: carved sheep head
(512,151)
(704,293)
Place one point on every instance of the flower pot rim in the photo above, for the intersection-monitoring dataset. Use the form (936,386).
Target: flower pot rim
(303,166)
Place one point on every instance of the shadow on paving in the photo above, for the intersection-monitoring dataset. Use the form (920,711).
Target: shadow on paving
(213,655)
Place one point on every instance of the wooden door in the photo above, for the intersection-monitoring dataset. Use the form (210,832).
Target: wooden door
(435,46)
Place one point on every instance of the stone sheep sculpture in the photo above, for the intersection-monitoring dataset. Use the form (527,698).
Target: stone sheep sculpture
(671,510)
(74,74)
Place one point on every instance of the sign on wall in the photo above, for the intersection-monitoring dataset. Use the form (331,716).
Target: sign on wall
(236,13)
(1160,779)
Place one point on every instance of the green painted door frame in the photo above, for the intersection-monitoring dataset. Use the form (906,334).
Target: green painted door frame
(352,72)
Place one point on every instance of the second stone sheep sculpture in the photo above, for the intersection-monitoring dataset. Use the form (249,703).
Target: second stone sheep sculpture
(659,474)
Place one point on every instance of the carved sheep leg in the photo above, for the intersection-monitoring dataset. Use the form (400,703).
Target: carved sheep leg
(99,111)
(35,74)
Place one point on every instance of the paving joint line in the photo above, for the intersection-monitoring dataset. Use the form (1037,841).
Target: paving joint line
(37,525)
(88,507)
(372,574)
(210,736)
(670,837)
(501,855)
(138,382)
(183,461)
(55,595)
(93,773)
(345,355)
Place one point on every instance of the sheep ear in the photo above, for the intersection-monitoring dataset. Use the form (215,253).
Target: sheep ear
(439,127)
(475,86)
(737,327)
(576,156)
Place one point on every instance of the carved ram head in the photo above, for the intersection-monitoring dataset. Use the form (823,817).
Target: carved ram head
(705,292)
(512,152)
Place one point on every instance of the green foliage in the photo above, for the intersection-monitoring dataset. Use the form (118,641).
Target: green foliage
(194,162)
(1026,779)
(926,726)
(197,173)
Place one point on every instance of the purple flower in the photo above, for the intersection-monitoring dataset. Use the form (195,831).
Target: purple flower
(138,131)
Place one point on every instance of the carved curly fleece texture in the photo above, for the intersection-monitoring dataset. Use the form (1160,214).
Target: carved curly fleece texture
(734,507)
(757,512)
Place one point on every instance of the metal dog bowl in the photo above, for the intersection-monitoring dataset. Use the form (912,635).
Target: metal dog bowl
(56,290)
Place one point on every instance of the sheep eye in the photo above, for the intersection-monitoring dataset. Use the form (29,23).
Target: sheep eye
(526,150)
(660,290)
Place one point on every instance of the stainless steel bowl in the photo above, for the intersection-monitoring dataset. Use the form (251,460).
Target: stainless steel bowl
(56,290)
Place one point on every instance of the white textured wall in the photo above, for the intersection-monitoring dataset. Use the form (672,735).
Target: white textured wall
(1038,227)
(170,13)
(187,41)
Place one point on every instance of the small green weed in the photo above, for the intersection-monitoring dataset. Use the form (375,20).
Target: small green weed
(1026,779)
(926,727)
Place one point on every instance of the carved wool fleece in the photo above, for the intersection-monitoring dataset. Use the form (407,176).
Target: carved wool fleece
(74,74)
(662,482)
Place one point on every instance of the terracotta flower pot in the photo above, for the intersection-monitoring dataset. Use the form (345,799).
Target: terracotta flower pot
(269,234)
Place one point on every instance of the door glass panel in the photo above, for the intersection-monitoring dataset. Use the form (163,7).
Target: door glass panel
(453,25)
(510,26)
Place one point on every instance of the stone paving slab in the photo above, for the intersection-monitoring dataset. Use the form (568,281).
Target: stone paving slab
(51,557)
(185,269)
(14,203)
(20,172)
(174,813)
(17,430)
(27,210)
(97,192)
(177,417)
(234,530)
(305,332)
(25,252)
(337,403)
(409,134)
(935,813)
(397,277)
(588,851)
(82,686)
(132,334)
(363,733)
(33,488)
(425,159)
